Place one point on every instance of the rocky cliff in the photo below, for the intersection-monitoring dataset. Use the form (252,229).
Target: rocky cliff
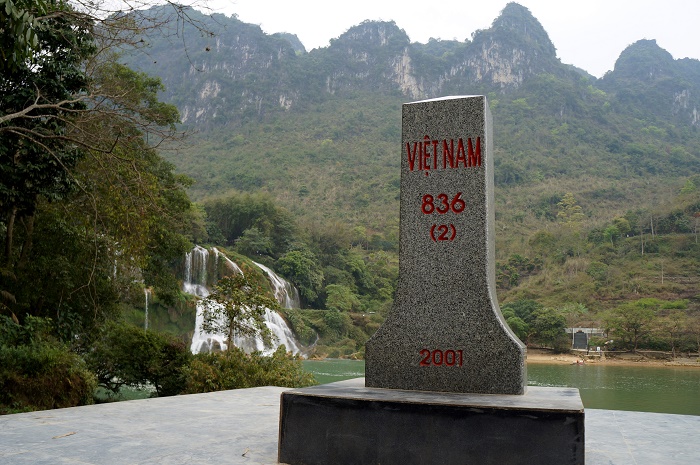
(240,73)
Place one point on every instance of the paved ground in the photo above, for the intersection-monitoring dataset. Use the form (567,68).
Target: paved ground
(241,427)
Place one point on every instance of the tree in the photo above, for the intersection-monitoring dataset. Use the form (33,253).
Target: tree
(623,225)
(254,223)
(87,205)
(610,233)
(301,268)
(548,326)
(122,211)
(673,326)
(21,21)
(35,160)
(253,243)
(237,308)
(632,321)
(520,316)
(340,298)
(126,355)
(37,372)
(694,329)
(570,213)
(337,322)
(119,23)
(574,312)
(523,309)
(519,327)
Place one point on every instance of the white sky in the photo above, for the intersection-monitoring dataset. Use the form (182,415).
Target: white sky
(589,34)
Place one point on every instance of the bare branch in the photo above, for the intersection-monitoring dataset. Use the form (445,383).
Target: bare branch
(63,105)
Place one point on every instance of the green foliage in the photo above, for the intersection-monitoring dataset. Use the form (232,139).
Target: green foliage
(34,159)
(34,330)
(689,187)
(126,355)
(519,327)
(253,222)
(337,334)
(509,274)
(341,298)
(299,170)
(301,268)
(36,372)
(237,308)
(253,243)
(574,313)
(522,308)
(74,270)
(610,233)
(234,369)
(87,206)
(543,242)
(570,213)
(337,322)
(548,326)
(21,25)
(632,321)
(587,170)
(598,271)
(304,333)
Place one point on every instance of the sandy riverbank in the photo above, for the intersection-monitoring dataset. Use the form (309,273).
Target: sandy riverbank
(544,356)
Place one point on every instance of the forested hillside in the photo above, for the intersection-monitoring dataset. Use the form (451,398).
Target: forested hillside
(596,179)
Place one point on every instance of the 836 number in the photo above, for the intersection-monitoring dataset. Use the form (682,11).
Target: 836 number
(443,204)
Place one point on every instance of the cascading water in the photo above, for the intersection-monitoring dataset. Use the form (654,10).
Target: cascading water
(285,293)
(147,295)
(196,283)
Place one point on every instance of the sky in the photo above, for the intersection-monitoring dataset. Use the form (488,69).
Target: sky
(589,34)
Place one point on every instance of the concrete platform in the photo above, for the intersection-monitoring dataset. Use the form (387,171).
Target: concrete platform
(241,427)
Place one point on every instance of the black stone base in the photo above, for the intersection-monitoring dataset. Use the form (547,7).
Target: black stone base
(346,423)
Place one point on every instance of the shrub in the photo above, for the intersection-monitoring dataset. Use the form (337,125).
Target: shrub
(235,369)
(38,373)
(128,355)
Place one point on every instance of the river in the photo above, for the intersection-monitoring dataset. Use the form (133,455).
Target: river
(611,387)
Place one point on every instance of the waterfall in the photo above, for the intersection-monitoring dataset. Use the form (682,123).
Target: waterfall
(195,283)
(231,265)
(285,293)
(147,295)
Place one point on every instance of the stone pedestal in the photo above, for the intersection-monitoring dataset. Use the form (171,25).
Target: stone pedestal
(347,423)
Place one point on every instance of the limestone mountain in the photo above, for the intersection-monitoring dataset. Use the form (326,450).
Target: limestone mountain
(221,70)
(649,83)
(505,56)
(240,71)
(319,129)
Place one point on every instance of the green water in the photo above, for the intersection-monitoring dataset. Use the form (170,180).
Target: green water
(331,370)
(643,389)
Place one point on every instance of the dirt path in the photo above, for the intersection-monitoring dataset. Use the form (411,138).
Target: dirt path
(544,356)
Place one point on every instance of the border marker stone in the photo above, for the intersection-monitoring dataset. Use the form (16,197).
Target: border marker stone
(445,331)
